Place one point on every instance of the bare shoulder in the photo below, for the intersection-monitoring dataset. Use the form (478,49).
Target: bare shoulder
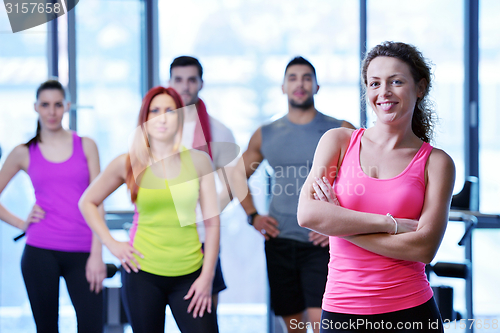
(18,159)
(440,161)
(199,156)
(118,166)
(256,138)
(20,151)
(20,156)
(255,143)
(347,124)
(338,136)
(332,146)
(440,168)
(201,161)
(89,146)
(120,161)
(88,143)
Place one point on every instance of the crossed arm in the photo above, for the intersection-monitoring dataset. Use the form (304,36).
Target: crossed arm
(415,241)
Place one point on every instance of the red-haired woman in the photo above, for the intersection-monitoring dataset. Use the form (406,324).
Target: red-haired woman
(163,261)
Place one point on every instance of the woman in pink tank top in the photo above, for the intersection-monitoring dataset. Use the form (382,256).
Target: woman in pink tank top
(59,242)
(388,209)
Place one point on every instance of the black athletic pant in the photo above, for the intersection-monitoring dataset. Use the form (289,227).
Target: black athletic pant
(42,270)
(146,296)
(422,318)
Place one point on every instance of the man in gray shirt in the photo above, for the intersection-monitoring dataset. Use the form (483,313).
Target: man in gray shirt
(297,258)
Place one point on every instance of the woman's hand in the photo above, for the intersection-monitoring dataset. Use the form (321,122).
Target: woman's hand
(36,215)
(125,252)
(323,191)
(95,272)
(201,293)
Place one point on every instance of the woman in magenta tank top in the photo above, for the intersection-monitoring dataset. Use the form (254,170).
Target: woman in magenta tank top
(58,241)
(388,210)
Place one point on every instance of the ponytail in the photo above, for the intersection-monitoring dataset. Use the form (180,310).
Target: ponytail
(37,137)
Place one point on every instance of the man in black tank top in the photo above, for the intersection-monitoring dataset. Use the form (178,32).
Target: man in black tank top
(297,258)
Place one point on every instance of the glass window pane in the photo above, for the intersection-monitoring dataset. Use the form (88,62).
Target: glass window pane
(244,47)
(486,291)
(23,66)
(108,79)
(489,105)
(451,252)
(486,273)
(436,29)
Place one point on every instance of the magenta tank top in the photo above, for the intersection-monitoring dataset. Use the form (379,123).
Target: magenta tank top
(362,282)
(58,187)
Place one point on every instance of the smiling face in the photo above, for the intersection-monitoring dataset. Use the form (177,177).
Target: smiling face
(391,89)
(187,82)
(51,106)
(163,118)
(300,86)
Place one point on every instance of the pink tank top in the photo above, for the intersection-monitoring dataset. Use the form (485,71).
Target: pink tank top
(58,187)
(362,282)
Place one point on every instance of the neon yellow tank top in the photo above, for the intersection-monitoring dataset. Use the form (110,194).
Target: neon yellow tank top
(164,228)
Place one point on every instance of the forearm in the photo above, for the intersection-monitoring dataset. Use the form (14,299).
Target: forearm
(239,185)
(411,246)
(11,219)
(247,204)
(211,247)
(96,222)
(333,220)
(422,244)
(96,249)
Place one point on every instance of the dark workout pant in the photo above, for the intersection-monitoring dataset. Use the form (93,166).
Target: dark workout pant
(297,274)
(146,296)
(42,270)
(422,318)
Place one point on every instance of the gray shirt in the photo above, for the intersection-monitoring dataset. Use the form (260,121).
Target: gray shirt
(289,148)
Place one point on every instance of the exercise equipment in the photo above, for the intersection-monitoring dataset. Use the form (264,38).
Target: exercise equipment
(466,200)
(115,318)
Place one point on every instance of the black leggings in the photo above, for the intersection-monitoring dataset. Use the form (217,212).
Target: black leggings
(42,270)
(423,318)
(146,296)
